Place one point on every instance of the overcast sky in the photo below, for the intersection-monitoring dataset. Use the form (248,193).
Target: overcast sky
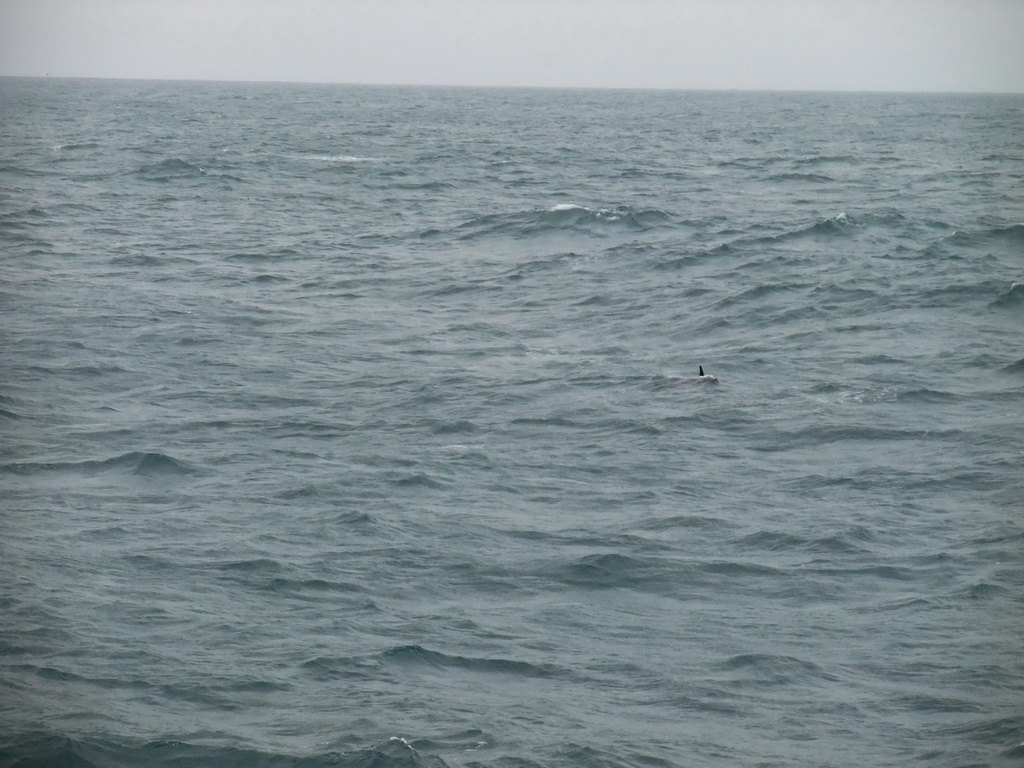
(888,45)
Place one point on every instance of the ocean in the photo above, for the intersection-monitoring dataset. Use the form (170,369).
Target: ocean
(362,426)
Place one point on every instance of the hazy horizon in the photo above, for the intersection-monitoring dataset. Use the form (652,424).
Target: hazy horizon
(49,76)
(938,46)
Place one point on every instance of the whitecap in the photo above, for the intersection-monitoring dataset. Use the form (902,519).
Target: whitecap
(343,158)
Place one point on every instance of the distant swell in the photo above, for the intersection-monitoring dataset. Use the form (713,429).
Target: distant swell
(176,168)
(418,656)
(562,218)
(816,178)
(134,463)
(45,750)
(169,169)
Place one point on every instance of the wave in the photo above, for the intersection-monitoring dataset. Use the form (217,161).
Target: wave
(554,261)
(39,750)
(347,159)
(839,225)
(1013,233)
(302,588)
(687,260)
(761,291)
(884,572)
(1017,367)
(658,575)
(683,521)
(926,395)
(985,591)
(15,169)
(268,254)
(771,670)
(23,218)
(817,160)
(994,731)
(73,146)
(166,170)
(815,178)
(427,186)
(30,217)
(65,676)
(454,427)
(418,480)
(5,404)
(746,163)
(835,227)
(824,435)
(611,570)
(144,464)
(416,655)
(566,217)
(175,168)
(884,394)
(1012,298)
(957,241)
(259,565)
(552,421)
(776,541)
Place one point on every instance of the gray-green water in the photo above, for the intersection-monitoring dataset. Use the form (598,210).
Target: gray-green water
(337,414)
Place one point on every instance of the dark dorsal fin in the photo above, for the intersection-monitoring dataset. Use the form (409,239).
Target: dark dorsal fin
(701,367)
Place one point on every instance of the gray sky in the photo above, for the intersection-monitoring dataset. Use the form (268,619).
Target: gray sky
(887,45)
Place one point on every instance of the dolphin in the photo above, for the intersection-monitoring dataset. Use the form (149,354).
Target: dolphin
(701,378)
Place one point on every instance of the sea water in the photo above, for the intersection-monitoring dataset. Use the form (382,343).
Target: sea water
(361,426)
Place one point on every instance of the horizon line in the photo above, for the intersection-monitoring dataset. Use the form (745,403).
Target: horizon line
(353,84)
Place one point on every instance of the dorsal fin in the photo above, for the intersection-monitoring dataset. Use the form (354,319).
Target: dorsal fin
(701,368)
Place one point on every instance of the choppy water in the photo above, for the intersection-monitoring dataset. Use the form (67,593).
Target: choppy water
(357,426)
